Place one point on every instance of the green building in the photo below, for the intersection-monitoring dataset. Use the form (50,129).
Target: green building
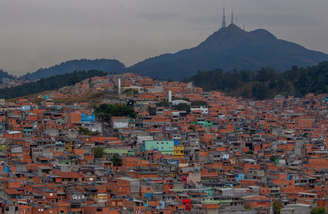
(164,146)
(3,147)
(66,162)
(119,152)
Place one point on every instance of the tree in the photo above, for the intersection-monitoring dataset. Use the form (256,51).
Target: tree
(245,94)
(272,84)
(163,104)
(117,161)
(83,130)
(276,208)
(182,107)
(88,132)
(249,152)
(170,80)
(272,159)
(260,91)
(98,152)
(198,103)
(191,127)
(108,110)
(319,210)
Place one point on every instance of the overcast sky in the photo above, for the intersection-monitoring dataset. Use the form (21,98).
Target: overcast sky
(42,33)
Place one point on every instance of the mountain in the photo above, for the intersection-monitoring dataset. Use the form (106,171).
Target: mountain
(105,65)
(230,48)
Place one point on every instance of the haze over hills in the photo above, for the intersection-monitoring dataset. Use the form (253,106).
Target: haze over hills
(230,48)
(105,65)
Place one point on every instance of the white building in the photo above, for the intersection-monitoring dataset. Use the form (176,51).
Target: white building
(202,109)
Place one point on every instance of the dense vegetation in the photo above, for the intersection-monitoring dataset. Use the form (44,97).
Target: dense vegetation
(50,83)
(266,82)
(106,65)
(106,111)
(98,152)
(5,74)
(88,132)
(319,210)
(117,160)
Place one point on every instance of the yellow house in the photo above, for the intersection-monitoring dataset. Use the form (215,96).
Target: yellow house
(69,146)
(233,161)
(173,174)
(179,151)
(100,198)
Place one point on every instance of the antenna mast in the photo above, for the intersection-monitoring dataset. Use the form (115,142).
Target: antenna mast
(224,24)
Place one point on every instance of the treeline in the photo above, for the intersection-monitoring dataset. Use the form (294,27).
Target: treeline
(6,74)
(266,82)
(106,111)
(106,65)
(50,83)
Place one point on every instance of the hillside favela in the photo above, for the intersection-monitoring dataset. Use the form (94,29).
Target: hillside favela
(235,125)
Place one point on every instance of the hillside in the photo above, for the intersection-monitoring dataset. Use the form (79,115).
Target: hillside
(50,83)
(6,74)
(266,82)
(230,48)
(105,65)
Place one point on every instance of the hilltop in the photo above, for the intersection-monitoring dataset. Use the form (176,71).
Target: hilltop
(230,48)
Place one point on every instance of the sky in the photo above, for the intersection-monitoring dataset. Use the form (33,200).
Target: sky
(42,33)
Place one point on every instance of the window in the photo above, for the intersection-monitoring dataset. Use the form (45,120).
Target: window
(51,194)
(162,147)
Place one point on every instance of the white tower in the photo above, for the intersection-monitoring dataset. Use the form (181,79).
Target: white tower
(119,85)
(170,96)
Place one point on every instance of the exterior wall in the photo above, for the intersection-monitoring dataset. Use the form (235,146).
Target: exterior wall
(166,147)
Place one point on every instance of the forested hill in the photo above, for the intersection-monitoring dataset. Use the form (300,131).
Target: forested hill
(106,65)
(5,74)
(266,82)
(230,48)
(50,83)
